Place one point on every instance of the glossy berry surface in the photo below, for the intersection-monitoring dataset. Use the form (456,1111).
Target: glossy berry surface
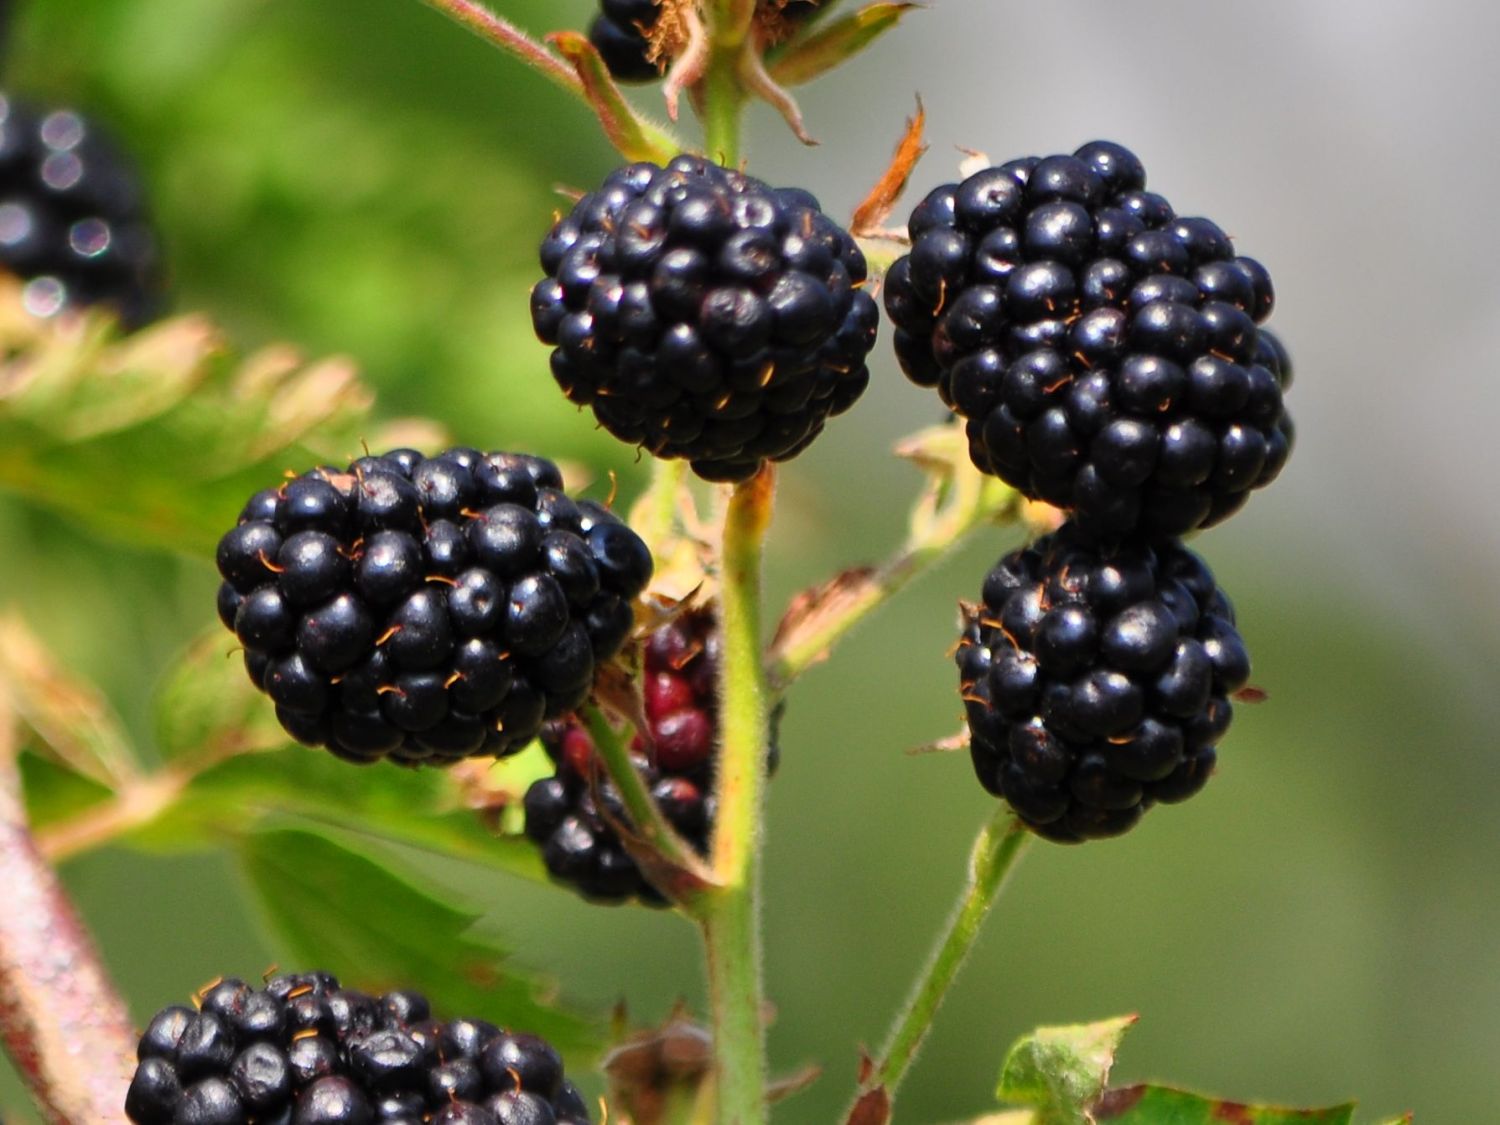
(1106,352)
(569,813)
(73,220)
(704,315)
(1097,683)
(427,610)
(306,1051)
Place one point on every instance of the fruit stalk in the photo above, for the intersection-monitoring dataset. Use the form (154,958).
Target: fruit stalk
(730,912)
(723,90)
(999,845)
(61,1020)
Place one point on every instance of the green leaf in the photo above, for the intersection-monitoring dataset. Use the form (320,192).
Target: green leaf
(198,428)
(383,802)
(1158,1105)
(54,792)
(632,136)
(834,42)
(1062,1070)
(206,707)
(338,910)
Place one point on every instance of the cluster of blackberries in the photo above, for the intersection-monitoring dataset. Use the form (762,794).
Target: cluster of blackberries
(1105,351)
(620,29)
(73,220)
(569,814)
(704,315)
(1097,682)
(303,1051)
(427,609)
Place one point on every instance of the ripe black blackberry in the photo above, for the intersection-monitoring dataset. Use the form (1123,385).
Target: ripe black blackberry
(618,33)
(427,609)
(73,221)
(563,812)
(705,315)
(303,1050)
(1097,682)
(1105,351)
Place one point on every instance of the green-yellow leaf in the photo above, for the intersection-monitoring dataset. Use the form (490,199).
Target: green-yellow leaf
(1062,1070)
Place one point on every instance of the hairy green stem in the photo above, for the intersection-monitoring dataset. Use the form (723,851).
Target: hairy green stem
(999,845)
(508,37)
(722,95)
(655,514)
(730,911)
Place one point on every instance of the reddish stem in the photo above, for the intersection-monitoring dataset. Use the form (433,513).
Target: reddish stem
(61,1020)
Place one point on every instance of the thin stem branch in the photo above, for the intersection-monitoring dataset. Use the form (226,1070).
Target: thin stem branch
(730,912)
(655,514)
(508,37)
(645,817)
(931,540)
(1000,844)
(61,1020)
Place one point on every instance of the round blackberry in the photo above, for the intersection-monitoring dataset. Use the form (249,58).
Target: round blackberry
(73,221)
(1097,682)
(1105,351)
(569,814)
(705,315)
(427,609)
(304,1050)
(619,32)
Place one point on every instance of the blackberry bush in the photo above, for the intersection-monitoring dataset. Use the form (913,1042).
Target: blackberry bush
(1104,350)
(1097,682)
(302,1049)
(73,219)
(704,315)
(423,609)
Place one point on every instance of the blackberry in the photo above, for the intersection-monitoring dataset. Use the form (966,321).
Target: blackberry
(73,221)
(427,609)
(1105,351)
(705,315)
(304,1050)
(618,33)
(569,814)
(1097,682)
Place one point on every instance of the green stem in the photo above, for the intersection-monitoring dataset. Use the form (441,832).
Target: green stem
(645,817)
(722,96)
(508,37)
(655,514)
(730,910)
(999,845)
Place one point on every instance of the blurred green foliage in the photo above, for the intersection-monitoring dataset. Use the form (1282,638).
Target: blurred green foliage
(358,177)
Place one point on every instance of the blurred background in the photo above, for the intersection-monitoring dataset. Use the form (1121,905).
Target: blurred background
(361,177)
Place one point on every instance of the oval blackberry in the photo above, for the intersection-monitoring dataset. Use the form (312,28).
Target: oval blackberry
(705,315)
(302,1049)
(570,814)
(73,220)
(1097,681)
(427,609)
(1106,352)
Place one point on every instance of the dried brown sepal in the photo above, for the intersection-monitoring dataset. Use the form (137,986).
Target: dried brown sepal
(758,81)
(870,216)
(779,1089)
(661,1069)
(810,609)
(690,62)
(617,690)
(951,744)
(624,129)
(1251,693)
(873,1107)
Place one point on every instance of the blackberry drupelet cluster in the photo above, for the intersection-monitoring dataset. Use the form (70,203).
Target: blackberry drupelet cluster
(1097,682)
(704,315)
(73,222)
(303,1051)
(1105,351)
(563,812)
(618,33)
(426,610)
